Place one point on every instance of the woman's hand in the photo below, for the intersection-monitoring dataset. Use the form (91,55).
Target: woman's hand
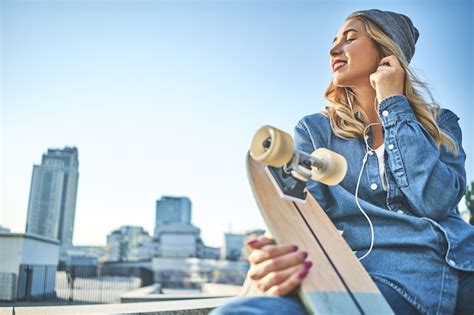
(389,79)
(276,269)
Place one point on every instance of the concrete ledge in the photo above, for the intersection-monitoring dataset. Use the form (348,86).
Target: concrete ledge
(221,289)
(209,290)
(198,307)
(6,310)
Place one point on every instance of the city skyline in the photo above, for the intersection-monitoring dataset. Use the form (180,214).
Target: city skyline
(163,98)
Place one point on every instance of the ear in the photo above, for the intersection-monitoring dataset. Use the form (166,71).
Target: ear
(381,53)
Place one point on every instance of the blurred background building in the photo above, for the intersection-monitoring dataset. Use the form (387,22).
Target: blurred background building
(175,235)
(129,243)
(28,266)
(53,194)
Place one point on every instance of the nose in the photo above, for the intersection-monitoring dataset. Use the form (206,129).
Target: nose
(335,51)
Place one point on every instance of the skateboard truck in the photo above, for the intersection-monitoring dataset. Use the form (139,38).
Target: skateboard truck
(291,169)
(291,178)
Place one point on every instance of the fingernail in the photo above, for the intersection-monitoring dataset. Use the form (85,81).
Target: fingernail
(303,273)
(295,248)
(305,254)
(308,264)
(252,242)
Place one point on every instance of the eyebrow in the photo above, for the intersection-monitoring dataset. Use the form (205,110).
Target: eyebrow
(344,33)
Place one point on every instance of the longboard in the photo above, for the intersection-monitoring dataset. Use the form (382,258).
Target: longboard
(338,283)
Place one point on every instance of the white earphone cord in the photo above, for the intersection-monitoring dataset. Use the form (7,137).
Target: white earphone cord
(364,160)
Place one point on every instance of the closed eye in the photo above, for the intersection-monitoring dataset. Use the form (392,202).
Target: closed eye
(348,40)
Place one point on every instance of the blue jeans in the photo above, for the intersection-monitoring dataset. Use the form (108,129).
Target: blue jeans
(291,305)
(465,301)
(262,305)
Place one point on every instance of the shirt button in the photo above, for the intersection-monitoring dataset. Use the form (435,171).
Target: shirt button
(373,186)
(371,153)
(385,113)
(451,262)
(391,146)
(400,211)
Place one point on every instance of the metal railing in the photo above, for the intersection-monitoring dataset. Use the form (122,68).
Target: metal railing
(75,284)
(86,285)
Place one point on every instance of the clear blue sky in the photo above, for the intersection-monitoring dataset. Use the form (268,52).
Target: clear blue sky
(162,97)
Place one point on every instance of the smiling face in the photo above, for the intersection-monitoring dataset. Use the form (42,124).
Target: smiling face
(358,54)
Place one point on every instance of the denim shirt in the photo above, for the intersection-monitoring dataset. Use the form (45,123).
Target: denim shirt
(419,240)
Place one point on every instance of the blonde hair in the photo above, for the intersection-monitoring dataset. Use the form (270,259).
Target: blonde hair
(342,118)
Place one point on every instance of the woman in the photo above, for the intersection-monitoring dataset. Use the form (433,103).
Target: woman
(396,205)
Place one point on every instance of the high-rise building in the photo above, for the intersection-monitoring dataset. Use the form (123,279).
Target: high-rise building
(173,210)
(53,192)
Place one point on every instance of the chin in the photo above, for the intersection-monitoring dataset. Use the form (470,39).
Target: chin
(340,82)
(343,79)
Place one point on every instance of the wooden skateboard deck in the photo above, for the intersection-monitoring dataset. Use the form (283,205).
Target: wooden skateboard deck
(337,283)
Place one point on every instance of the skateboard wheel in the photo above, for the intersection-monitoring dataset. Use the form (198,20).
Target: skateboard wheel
(334,170)
(272,146)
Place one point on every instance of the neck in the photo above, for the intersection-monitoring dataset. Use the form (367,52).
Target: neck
(365,95)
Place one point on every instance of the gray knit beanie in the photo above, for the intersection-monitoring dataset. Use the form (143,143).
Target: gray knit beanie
(397,26)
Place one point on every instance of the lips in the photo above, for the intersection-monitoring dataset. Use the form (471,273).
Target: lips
(337,64)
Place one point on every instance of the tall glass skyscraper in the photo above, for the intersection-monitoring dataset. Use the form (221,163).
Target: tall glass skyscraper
(173,210)
(53,192)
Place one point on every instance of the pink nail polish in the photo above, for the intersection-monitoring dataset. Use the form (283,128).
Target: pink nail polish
(308,264)
(295,248)
(303,273)
(252,242)
(305,254)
